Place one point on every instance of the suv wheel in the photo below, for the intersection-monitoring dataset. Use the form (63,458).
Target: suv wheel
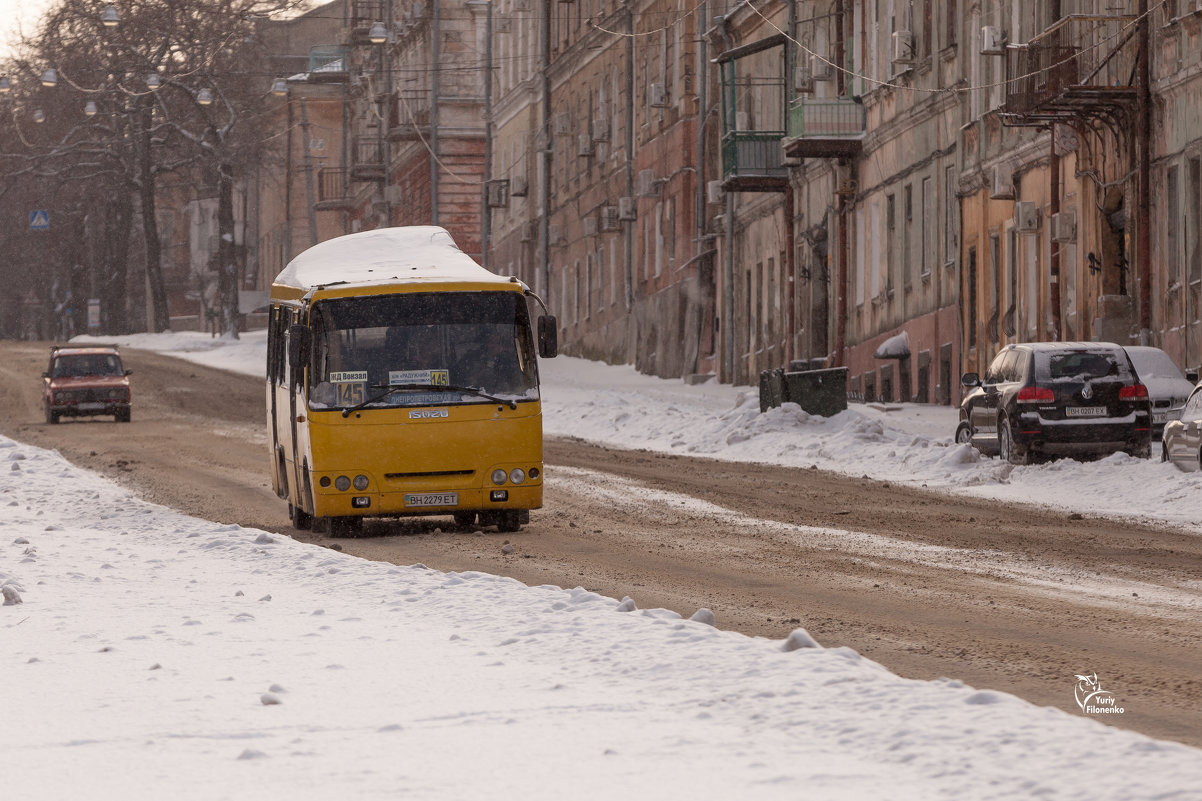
(964,433)
(1011,451)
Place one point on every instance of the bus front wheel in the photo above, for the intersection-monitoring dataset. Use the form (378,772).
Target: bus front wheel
(509,521)
(345,526)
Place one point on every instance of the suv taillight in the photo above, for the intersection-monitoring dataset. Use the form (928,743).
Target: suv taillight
(1035,395)
(1133,392)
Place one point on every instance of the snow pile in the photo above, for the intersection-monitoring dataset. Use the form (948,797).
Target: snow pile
(157,655)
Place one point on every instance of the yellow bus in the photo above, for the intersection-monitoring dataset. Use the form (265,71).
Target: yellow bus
(402,380)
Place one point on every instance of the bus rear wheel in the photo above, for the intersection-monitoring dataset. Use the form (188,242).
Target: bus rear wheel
(300,518)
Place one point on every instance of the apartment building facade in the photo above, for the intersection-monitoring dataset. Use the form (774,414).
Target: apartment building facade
(899,187)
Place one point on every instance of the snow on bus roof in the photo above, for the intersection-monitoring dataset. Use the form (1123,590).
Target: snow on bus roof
(385,254)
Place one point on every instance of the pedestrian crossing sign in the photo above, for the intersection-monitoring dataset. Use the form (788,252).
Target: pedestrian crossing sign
(39,219)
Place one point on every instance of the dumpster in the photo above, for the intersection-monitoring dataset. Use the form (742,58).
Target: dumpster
(772,389)
(822,392)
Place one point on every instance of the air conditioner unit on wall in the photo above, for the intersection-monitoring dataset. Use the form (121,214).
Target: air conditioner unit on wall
(657,95)
(1026,217)
(903,47)
(498,193)
(627,208)
(1002,185)
(993,41)
(1064,226)
(610,221)
(518,186)
(589,225)
(647,185)
(600,130)
(584,145)
(563,122)
(714,192)
(529,231)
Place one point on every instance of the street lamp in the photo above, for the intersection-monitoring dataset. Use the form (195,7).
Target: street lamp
(279,87)
(154,82)
(110,18)
(49,77)
(6,85)
(90,109)
(377,34)
(39,116)
(204,97)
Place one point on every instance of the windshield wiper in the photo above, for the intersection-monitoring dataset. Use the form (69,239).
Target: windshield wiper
(391,388)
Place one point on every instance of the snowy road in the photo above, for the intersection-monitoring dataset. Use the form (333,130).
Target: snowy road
(927,584)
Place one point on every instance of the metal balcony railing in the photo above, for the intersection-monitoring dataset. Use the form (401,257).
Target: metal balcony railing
(410,109)
(333,189)
(753,154)
(368,159)
(831,118)
(329,62)
(1080,62)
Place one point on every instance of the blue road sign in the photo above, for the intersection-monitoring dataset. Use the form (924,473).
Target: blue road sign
(39,219)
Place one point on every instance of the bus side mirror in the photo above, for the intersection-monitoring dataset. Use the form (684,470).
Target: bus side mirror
(300,342)
(548,337)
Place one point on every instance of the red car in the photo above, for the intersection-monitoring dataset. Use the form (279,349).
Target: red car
(85,380)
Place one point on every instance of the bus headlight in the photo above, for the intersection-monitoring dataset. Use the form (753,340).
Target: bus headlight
(360,482)
(499,476)
(517,475)
(342,483)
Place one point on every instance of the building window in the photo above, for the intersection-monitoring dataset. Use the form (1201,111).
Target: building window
(1172,260)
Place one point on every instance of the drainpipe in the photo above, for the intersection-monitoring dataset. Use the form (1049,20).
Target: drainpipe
(486,209)
(435,87)
(1144,202)
(1054,263)
(790,232)
(841,246)
(544,156)
(629,239)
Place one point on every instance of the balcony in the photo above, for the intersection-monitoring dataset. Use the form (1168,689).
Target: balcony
(329,64)
(1083,65)
(409,116)
(333,190)
(753,161)
(364,14)
(369,161)
(753,116)
(830,128)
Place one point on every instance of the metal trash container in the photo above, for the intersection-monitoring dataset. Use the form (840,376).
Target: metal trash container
(821,392)
(772,389)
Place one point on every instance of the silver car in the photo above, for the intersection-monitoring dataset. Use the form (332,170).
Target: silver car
(1167,386)
(1182,440)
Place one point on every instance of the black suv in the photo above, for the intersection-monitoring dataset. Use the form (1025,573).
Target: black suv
(1057,399)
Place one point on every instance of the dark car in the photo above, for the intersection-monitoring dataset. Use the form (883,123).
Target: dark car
(1080,399)
(86,380)
(1181,443)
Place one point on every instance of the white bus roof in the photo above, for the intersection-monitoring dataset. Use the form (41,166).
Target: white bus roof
(385,255)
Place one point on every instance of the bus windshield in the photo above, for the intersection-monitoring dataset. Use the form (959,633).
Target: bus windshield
(437,342)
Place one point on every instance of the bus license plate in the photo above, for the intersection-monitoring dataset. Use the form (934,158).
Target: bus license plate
(1086,411)
(432,499)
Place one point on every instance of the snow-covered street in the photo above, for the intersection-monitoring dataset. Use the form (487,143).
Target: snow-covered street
(150,655)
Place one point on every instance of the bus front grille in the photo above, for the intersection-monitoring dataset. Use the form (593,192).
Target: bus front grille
(428,474)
